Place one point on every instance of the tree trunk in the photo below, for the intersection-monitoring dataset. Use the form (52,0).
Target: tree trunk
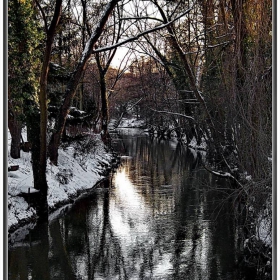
(38,130)
(40,182)
(73,83)
(14,126)
(104,101)
(43,89)
(104,111)
(240,39)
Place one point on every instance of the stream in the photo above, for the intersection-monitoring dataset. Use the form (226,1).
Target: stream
(160,215)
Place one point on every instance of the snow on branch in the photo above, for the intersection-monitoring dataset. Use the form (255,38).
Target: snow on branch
(98,30)
(173,113)
(133,105)
(218,45)
(143,17)
(224,175)
(131,39)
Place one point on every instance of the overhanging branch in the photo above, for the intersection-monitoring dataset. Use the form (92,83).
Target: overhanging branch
(173,113)
(131,39)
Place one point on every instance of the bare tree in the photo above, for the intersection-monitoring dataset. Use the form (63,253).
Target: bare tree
(74,81)
(40,181)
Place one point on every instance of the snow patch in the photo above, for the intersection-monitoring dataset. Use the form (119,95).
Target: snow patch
(193,144)
(75,172)
(131,122)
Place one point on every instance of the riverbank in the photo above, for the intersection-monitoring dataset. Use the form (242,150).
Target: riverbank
(81,165)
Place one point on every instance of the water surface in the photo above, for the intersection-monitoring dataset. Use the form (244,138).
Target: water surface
(157,217)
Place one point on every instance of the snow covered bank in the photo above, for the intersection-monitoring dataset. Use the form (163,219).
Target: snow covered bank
(80,167)
(132,122)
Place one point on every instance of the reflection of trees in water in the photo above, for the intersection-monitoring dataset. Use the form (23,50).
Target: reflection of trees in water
(60,259)
(180,168)
(18,263)
(31,259)
(156,166)
(86,249)
(107,258)
(84,245)
(167,167)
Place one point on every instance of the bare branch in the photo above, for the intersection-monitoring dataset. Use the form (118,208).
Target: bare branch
(131,39)
(140,18)
(173,113)
(43,15)
(217,45)
(224,175)
(133,105)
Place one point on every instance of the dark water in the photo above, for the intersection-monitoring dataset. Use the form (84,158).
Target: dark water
(157,217)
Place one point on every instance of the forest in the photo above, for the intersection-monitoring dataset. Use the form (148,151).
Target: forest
(199,71)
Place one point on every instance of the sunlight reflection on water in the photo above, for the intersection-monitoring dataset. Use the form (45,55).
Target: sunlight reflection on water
(129,214)
(151,220)
(133,221)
